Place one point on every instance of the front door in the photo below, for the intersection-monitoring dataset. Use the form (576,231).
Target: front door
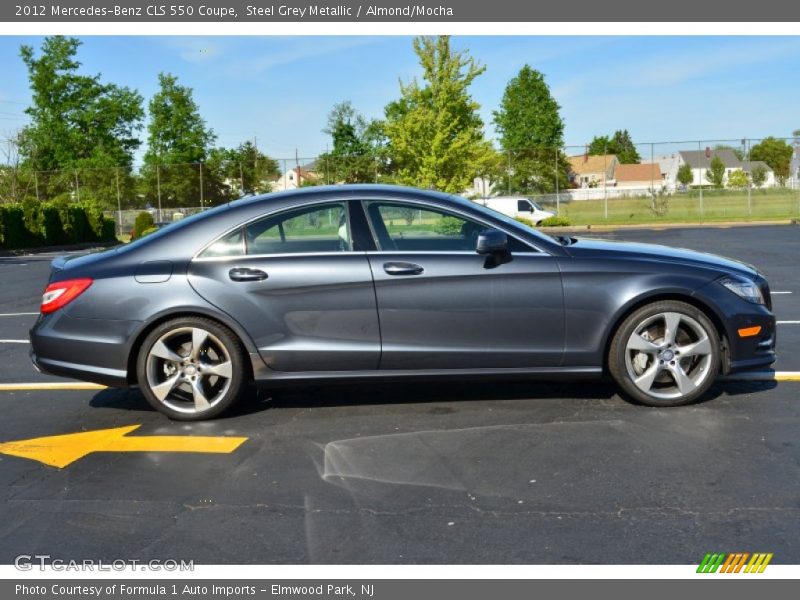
(443,306)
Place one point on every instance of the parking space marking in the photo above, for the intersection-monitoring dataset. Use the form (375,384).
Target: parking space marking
(15,342)
(62,450)
(46,385)
(764,376)
(773,293)
(788,322)
(22,314)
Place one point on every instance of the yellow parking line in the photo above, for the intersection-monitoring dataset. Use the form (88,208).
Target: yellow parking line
(21,387)
(765,376)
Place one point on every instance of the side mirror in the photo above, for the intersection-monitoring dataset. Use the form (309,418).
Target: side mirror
(492,241)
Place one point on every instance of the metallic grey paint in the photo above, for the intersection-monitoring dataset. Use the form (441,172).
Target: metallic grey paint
(550,310)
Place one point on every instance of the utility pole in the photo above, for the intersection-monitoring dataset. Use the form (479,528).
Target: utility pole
(297,164)
(202,198)
(558,196)
(119,201)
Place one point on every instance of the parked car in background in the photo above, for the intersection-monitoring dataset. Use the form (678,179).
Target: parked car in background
(368,282)
(518,206)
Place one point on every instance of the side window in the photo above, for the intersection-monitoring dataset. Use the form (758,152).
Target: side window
(229,245)
(523,206)
(407,227)
(321,228)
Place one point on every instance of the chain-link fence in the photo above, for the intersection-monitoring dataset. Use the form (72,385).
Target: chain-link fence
(608,181)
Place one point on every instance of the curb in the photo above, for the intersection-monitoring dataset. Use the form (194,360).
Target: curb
(662,226)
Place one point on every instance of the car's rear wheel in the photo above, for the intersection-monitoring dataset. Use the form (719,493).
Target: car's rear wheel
(665,354)
(191,368)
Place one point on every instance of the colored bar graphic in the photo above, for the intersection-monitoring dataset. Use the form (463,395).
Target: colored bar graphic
(734,562)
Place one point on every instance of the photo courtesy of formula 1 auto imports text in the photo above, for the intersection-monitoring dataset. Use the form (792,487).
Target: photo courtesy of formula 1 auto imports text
(342,300)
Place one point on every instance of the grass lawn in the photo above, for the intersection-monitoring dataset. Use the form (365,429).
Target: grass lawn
(721,205)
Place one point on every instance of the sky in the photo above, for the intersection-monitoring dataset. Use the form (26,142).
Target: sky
(279,90)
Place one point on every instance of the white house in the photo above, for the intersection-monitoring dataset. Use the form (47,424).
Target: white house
(639,176)
(700,163)
(669,165)
(294,178)
(749,166)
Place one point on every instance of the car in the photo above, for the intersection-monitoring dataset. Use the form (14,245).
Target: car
(372,282)
(518,207)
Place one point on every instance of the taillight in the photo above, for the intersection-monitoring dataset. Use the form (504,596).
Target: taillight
(61,293)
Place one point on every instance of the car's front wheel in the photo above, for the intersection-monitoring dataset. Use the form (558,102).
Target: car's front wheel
(191,368)
(665,354)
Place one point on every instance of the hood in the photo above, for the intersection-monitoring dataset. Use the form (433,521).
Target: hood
(586,247)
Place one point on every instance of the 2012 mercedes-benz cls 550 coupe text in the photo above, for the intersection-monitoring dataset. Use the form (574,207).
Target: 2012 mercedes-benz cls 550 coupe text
(371,282)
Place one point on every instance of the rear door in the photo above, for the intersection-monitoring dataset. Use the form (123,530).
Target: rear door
(443,306)
(299,286)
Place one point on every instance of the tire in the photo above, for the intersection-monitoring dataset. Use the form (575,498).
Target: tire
(665,354)
(189,385)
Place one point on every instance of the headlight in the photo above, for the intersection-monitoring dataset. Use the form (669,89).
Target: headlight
(747,290)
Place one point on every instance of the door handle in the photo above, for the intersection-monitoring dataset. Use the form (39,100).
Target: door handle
(247,274)
(402,268)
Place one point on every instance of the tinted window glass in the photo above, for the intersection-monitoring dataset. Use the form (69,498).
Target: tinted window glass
(413,228)
(321,228)
(229,245)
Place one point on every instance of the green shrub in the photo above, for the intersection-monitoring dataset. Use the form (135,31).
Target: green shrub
(108,232)
(12,232)
(95,218)
(144,221)
(524,221)
(555,222)
(448,226)
(52,230)
(148,231)
(33,223)
(80,230)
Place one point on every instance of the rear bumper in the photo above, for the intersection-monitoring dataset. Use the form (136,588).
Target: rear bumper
(94,350)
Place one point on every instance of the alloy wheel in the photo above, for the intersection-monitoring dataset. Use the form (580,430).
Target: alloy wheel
(189,370)
(669,355)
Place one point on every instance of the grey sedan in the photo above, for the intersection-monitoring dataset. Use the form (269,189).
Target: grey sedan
(370,282)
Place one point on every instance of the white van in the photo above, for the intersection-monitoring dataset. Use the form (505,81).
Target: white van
(517,206)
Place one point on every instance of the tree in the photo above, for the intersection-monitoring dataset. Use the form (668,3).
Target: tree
(759,176)
(242,170)
(716,172)
(777,154)
(356,144)
(434,133)
(685,175)
(619,144)
(178,141)
(738,179)
(16,182)
(78,123)
(532,134)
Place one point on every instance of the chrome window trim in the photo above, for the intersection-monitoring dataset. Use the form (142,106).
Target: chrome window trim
(344,199)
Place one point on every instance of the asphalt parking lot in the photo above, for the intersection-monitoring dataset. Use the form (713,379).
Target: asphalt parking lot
(516,472)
